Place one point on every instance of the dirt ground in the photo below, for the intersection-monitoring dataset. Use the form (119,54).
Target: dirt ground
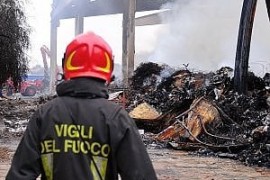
(173,165)
(169,164)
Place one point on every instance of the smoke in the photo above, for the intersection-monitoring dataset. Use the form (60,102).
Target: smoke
(204,34)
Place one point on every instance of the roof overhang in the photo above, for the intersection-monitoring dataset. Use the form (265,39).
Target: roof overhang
(152,19)
(65,9)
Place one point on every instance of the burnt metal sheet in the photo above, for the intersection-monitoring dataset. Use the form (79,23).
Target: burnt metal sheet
(151,19)
(64,9)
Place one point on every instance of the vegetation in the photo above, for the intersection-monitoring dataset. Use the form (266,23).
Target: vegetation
(14,41)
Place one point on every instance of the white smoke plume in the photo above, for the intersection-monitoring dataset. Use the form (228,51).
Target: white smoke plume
(204,35)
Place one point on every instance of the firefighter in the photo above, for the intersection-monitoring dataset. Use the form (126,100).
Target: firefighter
(80,134)
(4,92)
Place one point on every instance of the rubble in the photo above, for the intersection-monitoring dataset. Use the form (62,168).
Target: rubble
(201,113)
(185,110)
(144,111)
(15,114)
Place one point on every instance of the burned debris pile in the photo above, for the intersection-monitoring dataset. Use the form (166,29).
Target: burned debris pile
(201,112)
(15,115)
(182,109)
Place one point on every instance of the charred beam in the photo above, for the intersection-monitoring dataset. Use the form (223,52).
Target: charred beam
(268,7)
(243,46)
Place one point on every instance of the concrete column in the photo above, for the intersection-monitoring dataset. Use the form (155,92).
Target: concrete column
(79,25)
(128,40)
(53,60)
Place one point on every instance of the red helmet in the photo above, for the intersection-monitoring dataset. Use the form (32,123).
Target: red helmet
(88,55)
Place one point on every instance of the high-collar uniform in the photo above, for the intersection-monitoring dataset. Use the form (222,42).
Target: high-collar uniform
(81,135)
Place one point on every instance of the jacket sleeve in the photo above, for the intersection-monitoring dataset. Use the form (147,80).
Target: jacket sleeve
(26,163)
(133,160)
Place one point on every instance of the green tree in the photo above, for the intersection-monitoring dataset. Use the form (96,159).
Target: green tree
(14,41)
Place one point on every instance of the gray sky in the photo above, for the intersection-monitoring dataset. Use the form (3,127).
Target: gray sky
(201,33)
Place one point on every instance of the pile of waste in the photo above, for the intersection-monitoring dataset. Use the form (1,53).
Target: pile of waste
(15,114)
(183,109)
(201,113)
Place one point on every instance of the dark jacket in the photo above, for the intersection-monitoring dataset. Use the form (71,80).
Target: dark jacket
(81,135)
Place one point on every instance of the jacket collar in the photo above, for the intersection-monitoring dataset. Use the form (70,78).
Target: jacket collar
(83,87)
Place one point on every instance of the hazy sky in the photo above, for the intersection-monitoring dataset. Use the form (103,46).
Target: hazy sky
(204,34)
(109,27)
(201,33)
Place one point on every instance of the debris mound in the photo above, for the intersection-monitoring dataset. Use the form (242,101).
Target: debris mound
(183,109)
(202,113)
